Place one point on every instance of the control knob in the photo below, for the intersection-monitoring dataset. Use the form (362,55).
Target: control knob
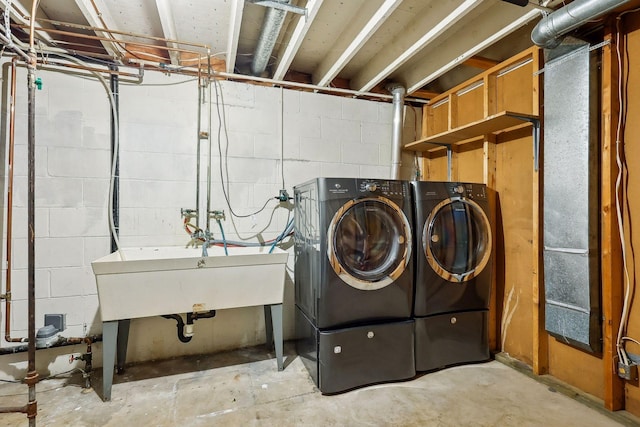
(459,189)
(371,186)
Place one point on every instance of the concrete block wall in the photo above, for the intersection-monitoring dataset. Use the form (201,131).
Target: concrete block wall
(273,137)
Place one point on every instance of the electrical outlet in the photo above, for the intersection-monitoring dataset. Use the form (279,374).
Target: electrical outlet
(628,372)
(283,196)
(58,321)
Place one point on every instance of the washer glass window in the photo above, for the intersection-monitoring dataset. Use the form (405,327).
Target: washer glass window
(457,239)
(371,243)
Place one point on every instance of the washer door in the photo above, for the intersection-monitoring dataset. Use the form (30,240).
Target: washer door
(457,239)
(369,243)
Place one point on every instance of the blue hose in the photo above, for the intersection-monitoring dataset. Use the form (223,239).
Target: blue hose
(224,240)
(277,240)
(282,235)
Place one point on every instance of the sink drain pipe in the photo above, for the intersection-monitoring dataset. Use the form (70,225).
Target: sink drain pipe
(398,91)
(185,331)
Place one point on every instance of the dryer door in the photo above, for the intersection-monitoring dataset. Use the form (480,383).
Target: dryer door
(369,243)
(457,239)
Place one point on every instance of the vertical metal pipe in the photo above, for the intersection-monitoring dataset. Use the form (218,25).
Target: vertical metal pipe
(398,92)
(114,87)
(209,164)
(200,88)
(449,162)
(12,125)
(32,375)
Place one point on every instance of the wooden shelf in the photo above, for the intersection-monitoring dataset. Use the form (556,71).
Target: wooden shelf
(471,131)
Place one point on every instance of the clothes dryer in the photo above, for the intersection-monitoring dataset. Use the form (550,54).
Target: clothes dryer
(353,248)
(354,281)
(454,236)
(453,229)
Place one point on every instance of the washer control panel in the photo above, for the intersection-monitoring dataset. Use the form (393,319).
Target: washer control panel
(382,187)
(470,191)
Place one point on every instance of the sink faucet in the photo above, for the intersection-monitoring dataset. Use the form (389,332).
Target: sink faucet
(206,243)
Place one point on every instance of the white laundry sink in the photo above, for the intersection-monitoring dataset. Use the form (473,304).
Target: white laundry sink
(143,282)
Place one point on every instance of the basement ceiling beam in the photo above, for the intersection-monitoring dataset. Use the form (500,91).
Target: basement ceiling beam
(480,62)
(345,50)
(426,94)
(297,37)
(168,28)
(411,41)
(97,15)
(235,20)
(488,29)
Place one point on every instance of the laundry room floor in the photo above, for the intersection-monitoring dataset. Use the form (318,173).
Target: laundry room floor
(243,388)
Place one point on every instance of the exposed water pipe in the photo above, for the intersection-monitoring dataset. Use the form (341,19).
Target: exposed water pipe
(398,91)
(550,31)
(297,85)
(273,20)
(9,252)
(32,374)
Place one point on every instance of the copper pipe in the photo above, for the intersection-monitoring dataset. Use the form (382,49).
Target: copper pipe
(12,127)
(122,33)
(32,23)
(12,409)
(121,42)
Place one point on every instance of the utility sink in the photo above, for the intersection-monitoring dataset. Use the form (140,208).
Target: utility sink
(153,281)
(142,282)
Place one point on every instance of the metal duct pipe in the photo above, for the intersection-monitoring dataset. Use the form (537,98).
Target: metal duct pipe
(551,29)
(273,20)
(398,91)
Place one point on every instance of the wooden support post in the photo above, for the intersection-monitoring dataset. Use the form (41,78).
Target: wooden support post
(489,179)
(540,337)
(612,281)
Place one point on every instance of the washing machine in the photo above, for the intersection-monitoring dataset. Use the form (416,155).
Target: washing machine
(453,230)
(354,281)
(353,250)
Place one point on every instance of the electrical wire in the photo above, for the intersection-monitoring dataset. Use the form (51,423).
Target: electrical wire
(622,355)
(224,166)
(631,339)
(116,143)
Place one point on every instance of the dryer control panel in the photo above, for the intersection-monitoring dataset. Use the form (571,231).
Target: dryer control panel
(388,188)
(468,190)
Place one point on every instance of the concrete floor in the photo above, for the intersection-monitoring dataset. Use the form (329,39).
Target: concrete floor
(243,388)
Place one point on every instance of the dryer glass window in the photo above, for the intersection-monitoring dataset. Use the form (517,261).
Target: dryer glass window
(459,237)
(370,240)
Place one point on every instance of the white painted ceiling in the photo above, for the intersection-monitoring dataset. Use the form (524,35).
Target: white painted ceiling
(359,44)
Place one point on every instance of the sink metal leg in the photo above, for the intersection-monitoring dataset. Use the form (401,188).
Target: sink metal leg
(268,326)
(123,340)
(109,343)
(276,322)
